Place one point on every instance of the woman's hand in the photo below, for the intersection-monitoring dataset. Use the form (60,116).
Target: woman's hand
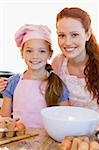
(3,83)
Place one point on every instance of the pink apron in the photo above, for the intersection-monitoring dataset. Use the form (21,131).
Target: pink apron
(28,101)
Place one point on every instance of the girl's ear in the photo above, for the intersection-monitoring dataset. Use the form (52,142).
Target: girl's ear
(89,34)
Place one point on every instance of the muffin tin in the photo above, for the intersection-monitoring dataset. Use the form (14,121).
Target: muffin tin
(5,133)
(10,128)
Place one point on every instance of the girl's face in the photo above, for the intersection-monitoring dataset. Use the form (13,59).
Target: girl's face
(72,37)
(35,53)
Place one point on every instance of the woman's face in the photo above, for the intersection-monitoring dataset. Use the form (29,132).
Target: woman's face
(72,37)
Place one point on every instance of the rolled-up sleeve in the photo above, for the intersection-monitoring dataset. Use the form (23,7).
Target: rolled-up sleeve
(12,82)
(65,95)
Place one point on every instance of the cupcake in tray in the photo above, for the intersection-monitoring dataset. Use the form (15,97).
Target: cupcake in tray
(20,128)
(2,123)
(9,133)
(2,127)
(10,123)
(2,131)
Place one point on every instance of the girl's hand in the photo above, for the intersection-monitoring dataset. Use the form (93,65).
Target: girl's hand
(3,83)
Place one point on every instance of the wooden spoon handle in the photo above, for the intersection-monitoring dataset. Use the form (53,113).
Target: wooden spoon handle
(5,141)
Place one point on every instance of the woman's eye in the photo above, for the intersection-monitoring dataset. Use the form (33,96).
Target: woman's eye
(75,35)
(43,51)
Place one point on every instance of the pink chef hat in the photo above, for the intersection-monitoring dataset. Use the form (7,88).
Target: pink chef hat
(30,31)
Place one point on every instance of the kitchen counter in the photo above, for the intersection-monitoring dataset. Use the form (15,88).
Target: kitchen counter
(42,141)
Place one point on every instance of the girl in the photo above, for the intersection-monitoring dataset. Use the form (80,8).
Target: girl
(78,65)
(38,86)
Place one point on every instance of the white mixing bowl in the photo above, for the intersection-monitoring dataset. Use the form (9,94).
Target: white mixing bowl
(61,121)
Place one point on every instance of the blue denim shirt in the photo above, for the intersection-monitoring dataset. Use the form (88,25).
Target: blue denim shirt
(12,83)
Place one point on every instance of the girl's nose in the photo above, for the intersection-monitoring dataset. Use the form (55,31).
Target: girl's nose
(35,54)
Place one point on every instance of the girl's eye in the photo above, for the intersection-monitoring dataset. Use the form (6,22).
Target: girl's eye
(29,50)
(61,35)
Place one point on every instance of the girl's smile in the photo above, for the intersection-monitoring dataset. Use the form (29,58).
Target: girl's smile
(36,55)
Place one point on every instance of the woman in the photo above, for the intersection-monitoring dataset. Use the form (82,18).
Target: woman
(78,65)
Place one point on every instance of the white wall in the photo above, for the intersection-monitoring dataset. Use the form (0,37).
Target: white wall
(15,14)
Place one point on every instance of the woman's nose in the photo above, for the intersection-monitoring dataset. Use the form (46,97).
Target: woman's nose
(67,40)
